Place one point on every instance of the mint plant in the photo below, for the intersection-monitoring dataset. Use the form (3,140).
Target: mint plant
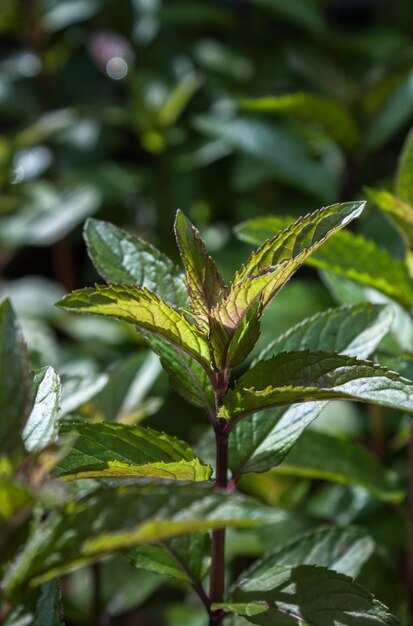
(202,330)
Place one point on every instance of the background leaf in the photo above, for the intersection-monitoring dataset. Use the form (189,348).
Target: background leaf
(120,257)
(91,528)
(41,425)
(14,378)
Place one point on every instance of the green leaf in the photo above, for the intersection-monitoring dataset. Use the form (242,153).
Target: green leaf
(107,449)
(303,376)
(344,550)
(79,388)
(185,374)
(14,378)
(117,518)
(300,239)
(298,12)
(314,595)
(355,330)
(234,321)
(260,441)
(185,558)
(48,215)
(396,111)
(120,257)
(284,154)
(399,210)
(320,456)
(41,607)
(204,283)
(317,109)
(143,309)
(41,426)
(404,177)
(348,255)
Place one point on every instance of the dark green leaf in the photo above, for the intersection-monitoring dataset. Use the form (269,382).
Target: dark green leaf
(396,111)
(40,607)
(107,450)
(303,376)
(41,426)
(116,518)
(344,550)
(261,441)
(14,378)
(186,558)
(120,257)
(185,374)
(314,595)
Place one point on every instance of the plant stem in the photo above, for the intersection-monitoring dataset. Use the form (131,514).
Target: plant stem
(217,575)
(198,588)
(96,604)
(409,559)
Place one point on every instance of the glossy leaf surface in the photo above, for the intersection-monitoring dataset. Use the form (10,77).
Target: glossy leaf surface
(143,309)
(304,376)
(116,450)
(349,255)
(262,440)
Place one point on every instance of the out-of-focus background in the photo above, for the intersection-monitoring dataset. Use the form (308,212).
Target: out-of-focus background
(228,109)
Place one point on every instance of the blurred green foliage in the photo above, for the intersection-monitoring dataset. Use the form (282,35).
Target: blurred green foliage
(230,110)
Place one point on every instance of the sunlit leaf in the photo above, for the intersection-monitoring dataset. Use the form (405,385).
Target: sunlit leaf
(41,425)
(399,210)
(299,240)
(349,255)
(143,309)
